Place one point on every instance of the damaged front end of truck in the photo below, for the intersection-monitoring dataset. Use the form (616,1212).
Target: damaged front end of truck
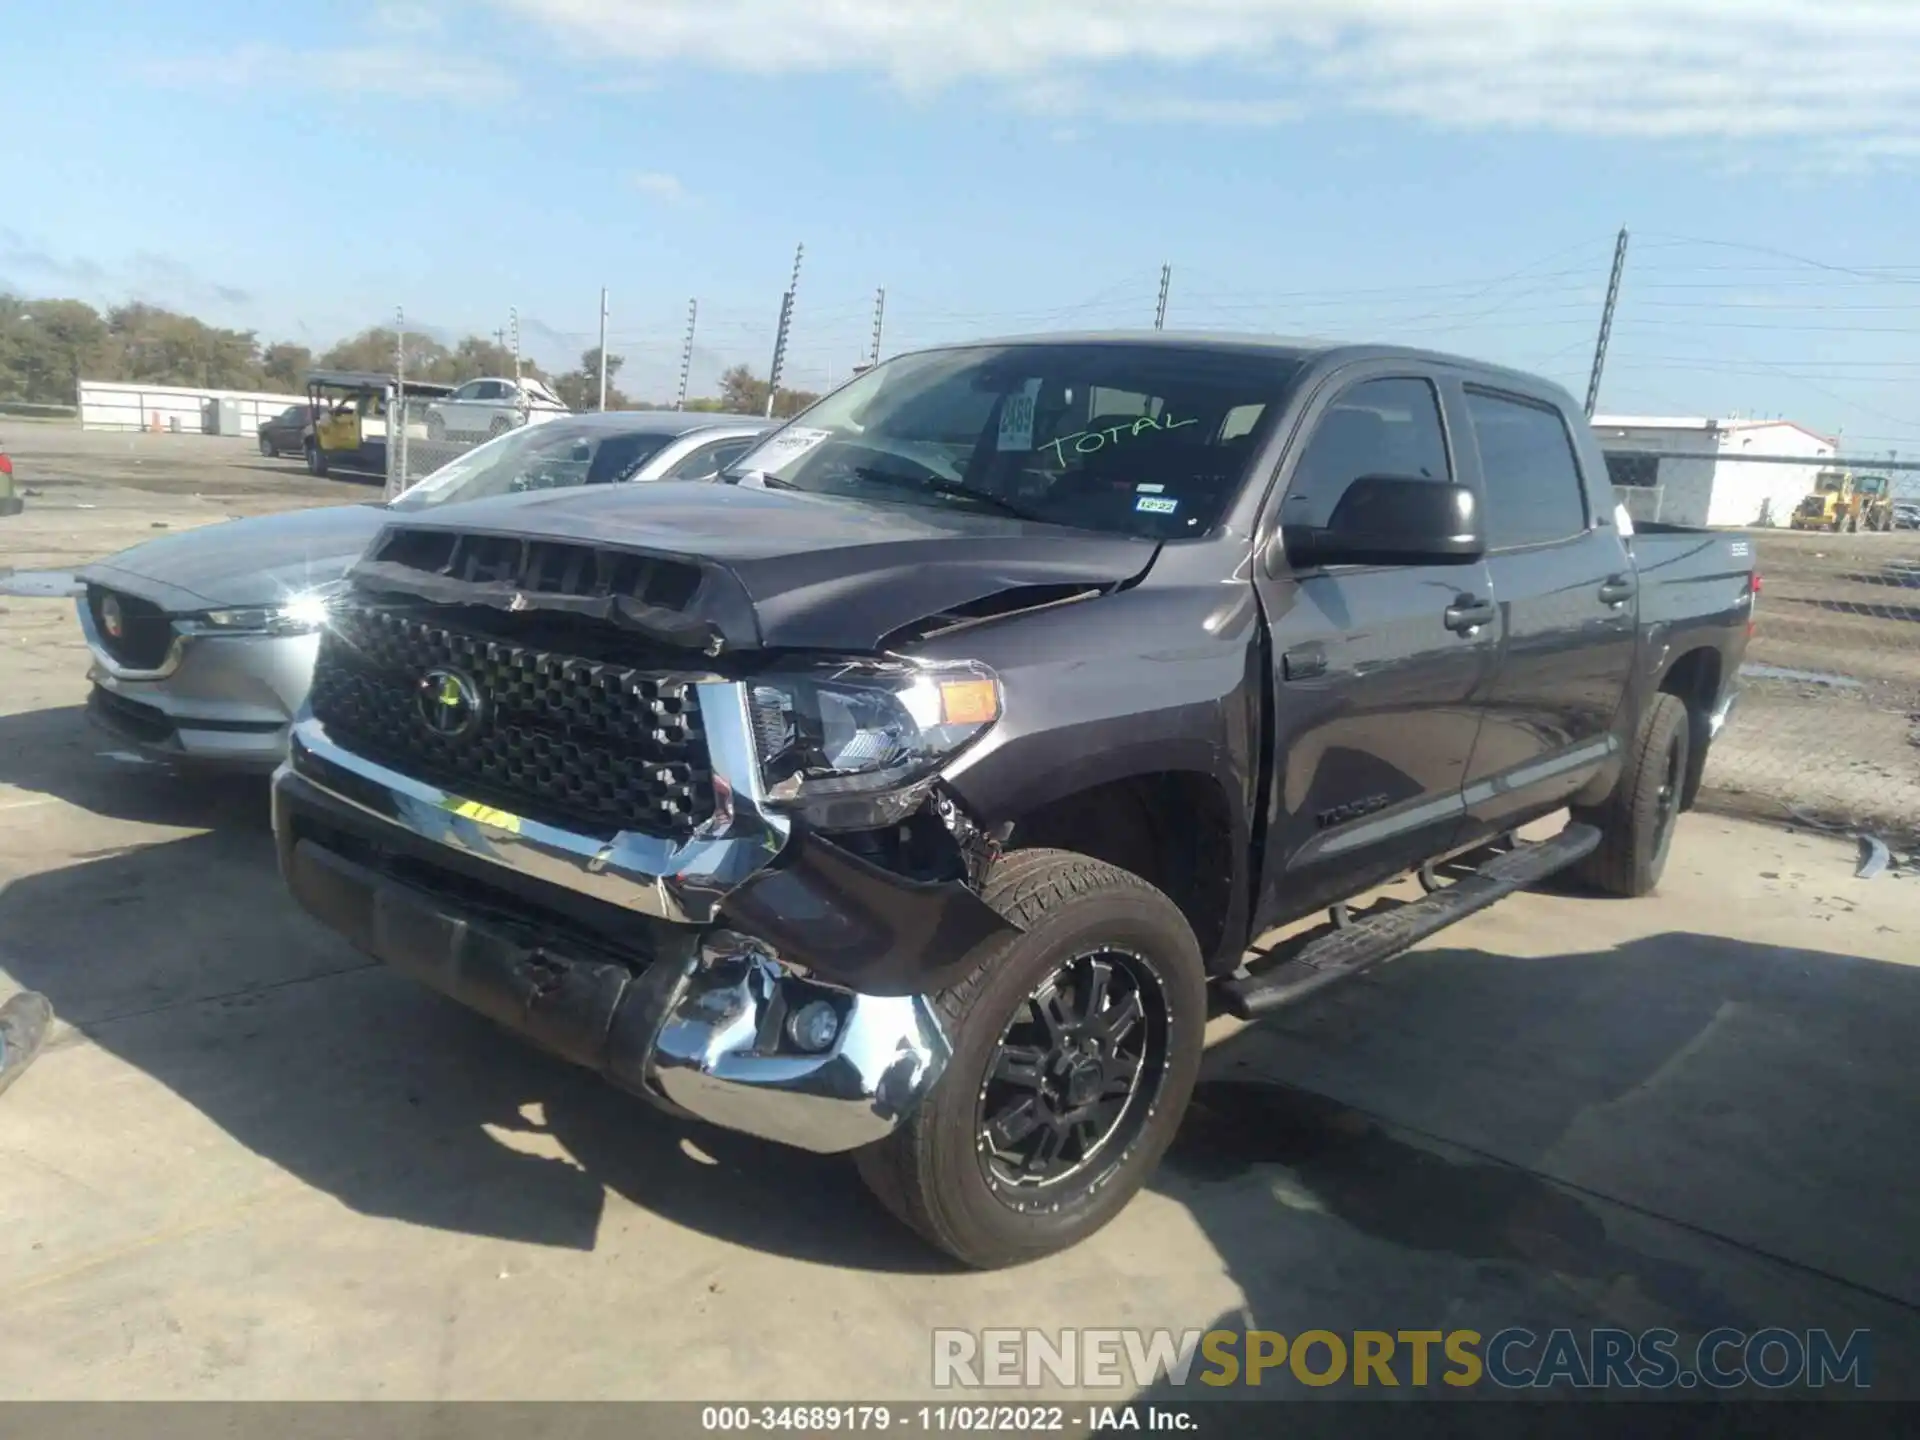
(588,792)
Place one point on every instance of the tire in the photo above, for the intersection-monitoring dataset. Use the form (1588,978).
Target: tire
(1637,820)
(436,428)
(498,426)
(267,448)
(942,1175)
(316,460)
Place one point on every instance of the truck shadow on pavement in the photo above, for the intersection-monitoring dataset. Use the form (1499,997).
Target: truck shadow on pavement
(1684,1132)
(1676,1130)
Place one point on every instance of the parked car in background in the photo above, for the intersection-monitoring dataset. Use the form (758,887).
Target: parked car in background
(1906,515)
(10,501)
(203,642)
(286,433)
(491,406)
(907,796)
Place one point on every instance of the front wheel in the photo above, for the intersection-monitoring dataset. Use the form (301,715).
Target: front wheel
(1637,821)
(1075,1049)
(316,459)
(266,448)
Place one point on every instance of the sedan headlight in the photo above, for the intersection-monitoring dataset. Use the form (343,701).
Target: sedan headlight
(866,731)
(299,614)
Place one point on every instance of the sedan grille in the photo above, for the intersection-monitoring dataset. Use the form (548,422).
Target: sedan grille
(135,632)
(549,736)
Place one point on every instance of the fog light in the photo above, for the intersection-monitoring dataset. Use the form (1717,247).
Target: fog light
(814,1026)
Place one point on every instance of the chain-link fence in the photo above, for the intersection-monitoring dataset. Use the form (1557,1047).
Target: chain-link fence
(1828,726)
(431,430)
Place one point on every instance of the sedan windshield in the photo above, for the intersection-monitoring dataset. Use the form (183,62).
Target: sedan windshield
(1151,440)
(552,456)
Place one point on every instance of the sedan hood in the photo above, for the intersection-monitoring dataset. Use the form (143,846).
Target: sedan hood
(256,561)
(742,567)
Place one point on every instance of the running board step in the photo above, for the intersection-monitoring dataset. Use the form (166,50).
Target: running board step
(1367,942)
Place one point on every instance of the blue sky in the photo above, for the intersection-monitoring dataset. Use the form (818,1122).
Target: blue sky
(1449,172)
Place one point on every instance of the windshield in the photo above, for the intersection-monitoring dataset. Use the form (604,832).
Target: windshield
(540,457)
(1147,440)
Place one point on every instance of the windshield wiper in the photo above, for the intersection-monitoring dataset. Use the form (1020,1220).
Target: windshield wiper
(941,486)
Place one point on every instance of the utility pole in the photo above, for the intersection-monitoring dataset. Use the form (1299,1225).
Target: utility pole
(779,351)
(397,412)
(686,355)
(879,318)
(1160,310)
(603,347)
(1606,320)
(513,323)
(780,334)
(500,336)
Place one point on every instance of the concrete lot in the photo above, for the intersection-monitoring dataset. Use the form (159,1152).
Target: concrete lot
(251,1165)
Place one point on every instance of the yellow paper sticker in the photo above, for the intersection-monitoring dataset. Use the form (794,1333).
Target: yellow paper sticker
(486,815)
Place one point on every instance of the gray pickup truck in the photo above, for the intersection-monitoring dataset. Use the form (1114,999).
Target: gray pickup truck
(915,793)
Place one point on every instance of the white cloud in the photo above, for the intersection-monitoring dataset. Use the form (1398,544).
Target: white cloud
(396,71)
(1839,74)
(660,185)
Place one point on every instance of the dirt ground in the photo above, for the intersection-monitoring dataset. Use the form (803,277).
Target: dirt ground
(253,1165)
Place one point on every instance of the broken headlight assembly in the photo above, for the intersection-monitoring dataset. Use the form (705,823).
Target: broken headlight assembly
(850,746)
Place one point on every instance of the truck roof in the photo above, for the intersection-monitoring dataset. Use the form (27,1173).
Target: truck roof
(1302,348)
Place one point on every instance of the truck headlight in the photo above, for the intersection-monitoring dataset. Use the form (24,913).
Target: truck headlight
(864,730)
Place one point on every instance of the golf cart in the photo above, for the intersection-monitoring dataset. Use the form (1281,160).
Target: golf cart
(350,410)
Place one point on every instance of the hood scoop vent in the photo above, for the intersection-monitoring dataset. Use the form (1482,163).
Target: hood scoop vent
(648,593)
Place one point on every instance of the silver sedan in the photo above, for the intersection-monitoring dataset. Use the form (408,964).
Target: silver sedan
(203,642)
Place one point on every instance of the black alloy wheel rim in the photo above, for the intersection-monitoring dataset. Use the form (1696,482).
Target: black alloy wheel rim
(1666,801)
(1075,1078)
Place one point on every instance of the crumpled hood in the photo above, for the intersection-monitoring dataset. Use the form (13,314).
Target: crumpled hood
(783,569)
(255,561)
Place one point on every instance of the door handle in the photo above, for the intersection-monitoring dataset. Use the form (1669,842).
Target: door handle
(1468,613)
(1616,590)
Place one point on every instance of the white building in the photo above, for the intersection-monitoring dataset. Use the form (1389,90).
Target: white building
(188,410)
(1688,471)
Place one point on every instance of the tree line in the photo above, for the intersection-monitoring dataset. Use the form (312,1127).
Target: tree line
(48,346)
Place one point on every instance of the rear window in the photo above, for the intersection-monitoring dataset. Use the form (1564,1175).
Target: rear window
(1146,440)
(1532,479)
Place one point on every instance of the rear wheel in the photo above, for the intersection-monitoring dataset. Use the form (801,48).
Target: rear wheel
(436,428)
(1075,1048)
(316,459)
(1637,821)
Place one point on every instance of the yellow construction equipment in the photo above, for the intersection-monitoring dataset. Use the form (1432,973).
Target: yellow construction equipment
(1844,501)
(1872,503)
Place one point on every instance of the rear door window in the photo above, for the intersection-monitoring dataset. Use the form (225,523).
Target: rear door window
(1532,477)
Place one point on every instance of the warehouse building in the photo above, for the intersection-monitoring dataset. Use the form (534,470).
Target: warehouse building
(1687,471)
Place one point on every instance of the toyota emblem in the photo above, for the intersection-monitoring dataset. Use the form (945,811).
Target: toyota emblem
(111,619)
(449,703)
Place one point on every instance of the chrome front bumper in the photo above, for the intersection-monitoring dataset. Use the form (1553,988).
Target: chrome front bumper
(682,881)
(698,1025)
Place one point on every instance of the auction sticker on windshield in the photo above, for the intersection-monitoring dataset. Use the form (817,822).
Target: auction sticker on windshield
(784,448)
(1016,417)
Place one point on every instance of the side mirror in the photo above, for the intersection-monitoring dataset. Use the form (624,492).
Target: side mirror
(1392,520)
